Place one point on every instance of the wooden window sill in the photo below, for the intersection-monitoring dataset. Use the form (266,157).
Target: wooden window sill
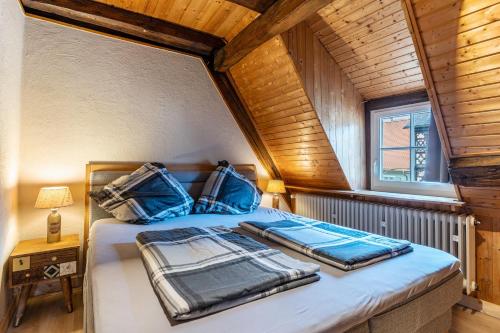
(371,195)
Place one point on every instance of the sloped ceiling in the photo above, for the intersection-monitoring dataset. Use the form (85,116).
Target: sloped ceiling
(370,41)
(460,45)
(220,18)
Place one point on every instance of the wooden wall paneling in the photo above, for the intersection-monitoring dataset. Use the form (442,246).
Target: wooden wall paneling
(286,118)
(464,57)
(462,44)
(338,104)
(370,41)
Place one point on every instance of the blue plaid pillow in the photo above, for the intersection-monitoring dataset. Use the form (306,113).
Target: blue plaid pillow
(147,195)
(228,192)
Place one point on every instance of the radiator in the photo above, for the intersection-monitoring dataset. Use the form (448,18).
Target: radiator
(453,233)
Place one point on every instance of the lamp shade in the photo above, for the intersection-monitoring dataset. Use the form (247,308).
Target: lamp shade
(54,197)
(276,186)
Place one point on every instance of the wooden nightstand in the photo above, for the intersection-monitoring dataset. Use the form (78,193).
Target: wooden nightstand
(35,260)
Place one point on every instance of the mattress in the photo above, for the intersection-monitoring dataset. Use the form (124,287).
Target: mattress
(121,299)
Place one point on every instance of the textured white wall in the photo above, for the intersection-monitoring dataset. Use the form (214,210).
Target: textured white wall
(90,97)
(11,45)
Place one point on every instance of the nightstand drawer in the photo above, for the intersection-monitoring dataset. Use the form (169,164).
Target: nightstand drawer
(55,257)
(27,276)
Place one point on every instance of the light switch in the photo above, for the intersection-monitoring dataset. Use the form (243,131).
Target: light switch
(20,264)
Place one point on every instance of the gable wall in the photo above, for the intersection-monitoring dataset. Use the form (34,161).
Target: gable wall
(285,117)
(337,102)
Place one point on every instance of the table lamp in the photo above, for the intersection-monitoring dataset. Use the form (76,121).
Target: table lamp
(54,198)
(276,187)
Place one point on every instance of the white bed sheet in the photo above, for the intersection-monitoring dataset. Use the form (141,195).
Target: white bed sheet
(124,301)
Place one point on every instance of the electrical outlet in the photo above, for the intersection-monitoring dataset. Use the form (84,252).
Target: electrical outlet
(20,264)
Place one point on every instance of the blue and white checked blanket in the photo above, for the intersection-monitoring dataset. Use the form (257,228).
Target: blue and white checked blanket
(198,271)
(338,246)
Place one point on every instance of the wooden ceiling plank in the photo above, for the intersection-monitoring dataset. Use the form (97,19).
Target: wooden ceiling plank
(475,118)
(280,17)
(478,50)
(119,21)
(385,72)
(470,94)
(373,39)
(394,83)
(365,25)
(377,52)
(472,130)
(468,22)
(488,104)
(467,38)
(391,77)
(381,44)
(335,18)
(468,81)
(467,68)
(388,64)
(450,13)
(398,90)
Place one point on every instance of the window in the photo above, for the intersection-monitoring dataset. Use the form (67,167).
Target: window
(406,152)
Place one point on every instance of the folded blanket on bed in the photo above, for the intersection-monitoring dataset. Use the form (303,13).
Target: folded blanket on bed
(338,246)
(197,271)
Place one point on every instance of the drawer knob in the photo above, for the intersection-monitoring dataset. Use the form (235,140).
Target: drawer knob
(54,258)
(27,275)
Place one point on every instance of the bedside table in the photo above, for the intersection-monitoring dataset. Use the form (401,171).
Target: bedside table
(35,260)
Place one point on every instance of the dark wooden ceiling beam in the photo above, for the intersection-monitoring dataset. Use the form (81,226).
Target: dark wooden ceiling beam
(281,16)
(120,22)
(259,6)
(480,171)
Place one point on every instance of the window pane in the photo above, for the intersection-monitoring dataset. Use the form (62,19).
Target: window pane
(420,123)
(396,165)
(420,157)
(396,131)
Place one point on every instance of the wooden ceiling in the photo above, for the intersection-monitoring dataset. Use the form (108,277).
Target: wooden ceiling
(221,18)
(371,42)
(369,39)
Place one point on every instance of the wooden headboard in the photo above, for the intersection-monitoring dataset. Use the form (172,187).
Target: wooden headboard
(191,176)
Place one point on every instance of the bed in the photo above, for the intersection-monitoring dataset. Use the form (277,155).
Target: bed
(409,293)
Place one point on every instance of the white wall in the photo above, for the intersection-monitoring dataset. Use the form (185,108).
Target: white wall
(91,97)
(11,45)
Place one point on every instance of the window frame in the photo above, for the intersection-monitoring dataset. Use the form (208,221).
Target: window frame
(411,187)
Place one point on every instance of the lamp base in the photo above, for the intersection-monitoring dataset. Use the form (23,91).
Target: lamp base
(276,200)
(54,227)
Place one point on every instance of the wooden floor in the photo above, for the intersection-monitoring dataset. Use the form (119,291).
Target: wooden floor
(47,314)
